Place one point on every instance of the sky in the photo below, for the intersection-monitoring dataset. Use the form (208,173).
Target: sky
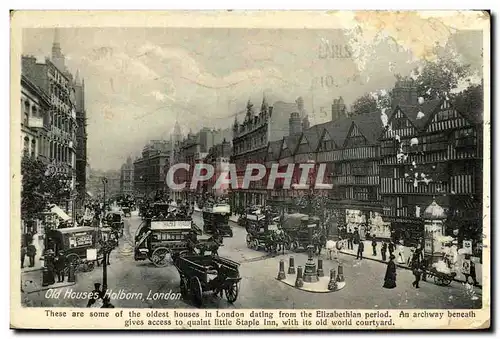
(140,81)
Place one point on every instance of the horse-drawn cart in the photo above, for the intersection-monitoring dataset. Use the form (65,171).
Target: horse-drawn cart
(297,229)
(207,273)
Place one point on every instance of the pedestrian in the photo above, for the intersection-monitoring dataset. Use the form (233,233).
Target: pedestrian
(349,240)
(401,253)
(23,255)
(356,236)
(390,273)
(31,252)
(361,248)
(391,247)
(95,295)
(469,269)
(59,265)
(417,272)
(383,251)
(374,246)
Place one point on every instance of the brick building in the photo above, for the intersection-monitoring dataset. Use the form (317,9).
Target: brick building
(149,171)
(127,178)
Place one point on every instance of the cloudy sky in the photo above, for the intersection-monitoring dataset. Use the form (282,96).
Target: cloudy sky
(140,81)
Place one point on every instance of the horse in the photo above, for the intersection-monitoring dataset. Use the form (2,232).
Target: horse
(334,247)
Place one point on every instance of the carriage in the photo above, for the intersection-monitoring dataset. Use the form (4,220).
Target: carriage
(297,228)
(77,244)
(114,220)
(216,219)
(260,233)
(204,273)
(160,236)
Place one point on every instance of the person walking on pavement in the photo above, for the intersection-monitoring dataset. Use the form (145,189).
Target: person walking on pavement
(356,236)
(31,252)
(23,255)
(59,265)
(361,248)
(383,251)
(390,274)
(374,246)
(349,240)
(391,247)
(95,295)
(417,273)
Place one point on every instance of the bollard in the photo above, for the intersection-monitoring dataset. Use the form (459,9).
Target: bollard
(47,277)
(299,282)
(281,273)
(320,268)
(332,284)
(71,273)
(340,276)
(291,268)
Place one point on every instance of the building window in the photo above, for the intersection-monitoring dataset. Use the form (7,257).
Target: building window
(26,146)
(26,113)
(33,148)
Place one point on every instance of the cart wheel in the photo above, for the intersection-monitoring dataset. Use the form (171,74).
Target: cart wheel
(184,287)
(294,246)
(159,257)
(72,259)
(232,292)
(196,291)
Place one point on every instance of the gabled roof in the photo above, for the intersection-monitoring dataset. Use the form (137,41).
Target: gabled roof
(370,125)
(428,108)
(338,130)
(311,136)
(289,145)
(273,150)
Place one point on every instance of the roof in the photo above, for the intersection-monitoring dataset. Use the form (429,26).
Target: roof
(370,125)
(428,108)
(273,150)
(75,229)
(291,142)
(313,136)
(338,130)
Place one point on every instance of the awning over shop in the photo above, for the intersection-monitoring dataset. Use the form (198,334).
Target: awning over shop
(60,213)
(90,194)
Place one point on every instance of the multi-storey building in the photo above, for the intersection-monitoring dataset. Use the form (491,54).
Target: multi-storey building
(150,170)
(81,137)
(35,120)
(431,152)
(127,178)
(218,157)
(250,143)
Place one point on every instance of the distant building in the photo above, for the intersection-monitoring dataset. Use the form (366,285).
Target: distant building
(127,178)
(151,168)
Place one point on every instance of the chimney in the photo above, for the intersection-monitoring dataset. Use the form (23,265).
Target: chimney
(338,109)
(404,93)
(294,124)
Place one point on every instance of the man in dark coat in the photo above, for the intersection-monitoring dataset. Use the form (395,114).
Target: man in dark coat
(374,246)
(349,240)
(390,273)
(361,248)
(417,272)
(383,251)
(23,255)
(392,247)
(31,252)
(59,265)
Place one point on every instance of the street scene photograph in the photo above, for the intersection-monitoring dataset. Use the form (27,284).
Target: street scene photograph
(252,168)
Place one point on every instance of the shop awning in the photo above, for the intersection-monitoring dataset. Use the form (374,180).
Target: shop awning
(60,213)
(90,194)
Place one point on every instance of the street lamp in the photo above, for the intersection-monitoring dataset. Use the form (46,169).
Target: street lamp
(104,182)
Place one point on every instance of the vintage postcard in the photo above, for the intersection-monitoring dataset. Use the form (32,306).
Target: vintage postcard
(250,170)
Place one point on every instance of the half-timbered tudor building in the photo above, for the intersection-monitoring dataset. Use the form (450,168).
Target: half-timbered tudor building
(431,151)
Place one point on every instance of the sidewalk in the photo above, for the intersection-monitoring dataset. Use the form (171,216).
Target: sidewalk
(38,242)
(367,254)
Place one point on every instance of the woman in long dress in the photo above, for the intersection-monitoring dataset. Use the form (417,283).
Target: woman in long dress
(390,273)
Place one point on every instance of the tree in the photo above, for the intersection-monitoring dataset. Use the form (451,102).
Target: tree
(436,79)
(39,188)
(470,101)
(364,104)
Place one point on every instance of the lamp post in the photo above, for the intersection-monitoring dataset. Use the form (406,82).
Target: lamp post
(104,182)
